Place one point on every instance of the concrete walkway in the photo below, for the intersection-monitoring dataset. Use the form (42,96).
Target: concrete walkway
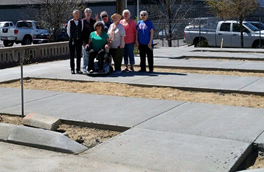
(163,135)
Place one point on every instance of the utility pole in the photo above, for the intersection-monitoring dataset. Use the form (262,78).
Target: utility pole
(120,6)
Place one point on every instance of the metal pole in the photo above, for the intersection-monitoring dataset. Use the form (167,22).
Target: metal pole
(22,84)
(137,10)
(260,45)
(199,44)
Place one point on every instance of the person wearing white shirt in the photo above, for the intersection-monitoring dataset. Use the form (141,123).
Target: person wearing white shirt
(74,31)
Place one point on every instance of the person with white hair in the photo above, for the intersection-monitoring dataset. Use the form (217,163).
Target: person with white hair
(74,31)
(130,29)
(144,41)
(88,23)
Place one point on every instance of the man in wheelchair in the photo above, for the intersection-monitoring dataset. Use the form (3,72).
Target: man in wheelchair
(98,48)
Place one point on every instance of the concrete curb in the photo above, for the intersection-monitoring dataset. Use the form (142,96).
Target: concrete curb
(39,138)
(41,121)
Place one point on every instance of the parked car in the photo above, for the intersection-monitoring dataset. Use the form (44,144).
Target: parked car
(227,33)
(23,32)
(63,36)
(42,37)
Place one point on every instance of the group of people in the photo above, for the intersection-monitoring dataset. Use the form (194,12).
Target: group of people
(117,37)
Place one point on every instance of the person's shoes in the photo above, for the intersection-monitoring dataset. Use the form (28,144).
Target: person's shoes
(131,69)
(84,71)
(90,71)
(125,70)
(118,72)
(79,72)
(151,71)
(72,72)
(141,71)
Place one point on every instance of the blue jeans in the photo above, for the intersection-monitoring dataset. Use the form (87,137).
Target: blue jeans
(129,52)
(85,58)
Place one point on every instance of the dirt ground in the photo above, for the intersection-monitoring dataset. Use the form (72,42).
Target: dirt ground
(92,137)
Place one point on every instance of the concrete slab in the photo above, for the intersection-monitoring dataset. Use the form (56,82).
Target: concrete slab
(194,63)
(10,74)
(169,151)
(185,63)
(28,70)
(254,66)
(63,66)
(170,51)
(41,121)
(218,121)
(256,86)
(32,159)
(110,110)
(44,139)
(225,55)
(198,81)
(12,97)
(210,52)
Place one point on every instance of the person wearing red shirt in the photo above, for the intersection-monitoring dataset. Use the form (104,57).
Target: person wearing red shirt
(130,29)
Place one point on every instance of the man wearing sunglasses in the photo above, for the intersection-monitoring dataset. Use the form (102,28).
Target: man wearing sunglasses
(105,19)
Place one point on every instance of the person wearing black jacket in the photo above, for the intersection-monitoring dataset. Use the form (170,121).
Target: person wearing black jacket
(88,23)
(74,30)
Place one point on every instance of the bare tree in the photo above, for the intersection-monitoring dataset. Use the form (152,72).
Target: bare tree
(171,13)
(174,11)
(54,13)
(234,9)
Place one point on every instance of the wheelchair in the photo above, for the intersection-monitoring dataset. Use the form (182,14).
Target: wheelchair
(107,67)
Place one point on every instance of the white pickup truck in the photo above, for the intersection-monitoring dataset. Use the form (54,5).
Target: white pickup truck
(23,33)
(5,26)
(226,34)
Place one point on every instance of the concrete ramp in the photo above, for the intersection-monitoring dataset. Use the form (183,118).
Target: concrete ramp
(39,138)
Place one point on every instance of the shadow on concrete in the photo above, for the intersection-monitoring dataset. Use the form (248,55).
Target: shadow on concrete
(131,74)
